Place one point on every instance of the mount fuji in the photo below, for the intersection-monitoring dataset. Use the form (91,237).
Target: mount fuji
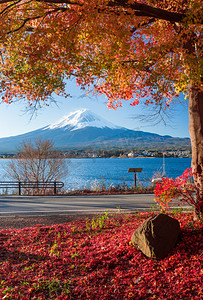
(84,129)
(81,119)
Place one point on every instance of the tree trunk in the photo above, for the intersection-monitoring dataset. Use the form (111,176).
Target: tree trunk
(196,135)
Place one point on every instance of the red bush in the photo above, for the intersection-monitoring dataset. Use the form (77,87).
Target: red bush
(182,189)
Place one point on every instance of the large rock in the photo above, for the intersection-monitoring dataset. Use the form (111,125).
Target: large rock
(157,236)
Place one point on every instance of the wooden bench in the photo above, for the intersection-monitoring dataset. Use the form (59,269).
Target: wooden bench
(55,185)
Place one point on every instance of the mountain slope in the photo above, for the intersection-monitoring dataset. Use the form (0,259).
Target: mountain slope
(86,130)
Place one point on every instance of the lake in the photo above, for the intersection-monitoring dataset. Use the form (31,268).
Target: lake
(88,172)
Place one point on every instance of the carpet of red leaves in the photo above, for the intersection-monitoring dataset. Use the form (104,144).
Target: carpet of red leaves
(77,260)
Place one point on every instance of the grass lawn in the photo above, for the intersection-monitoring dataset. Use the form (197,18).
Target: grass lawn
(94,259)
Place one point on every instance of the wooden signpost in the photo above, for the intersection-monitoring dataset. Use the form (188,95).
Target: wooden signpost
(135,170)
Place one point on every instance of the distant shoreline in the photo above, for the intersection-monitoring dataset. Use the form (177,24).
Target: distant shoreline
(141,157)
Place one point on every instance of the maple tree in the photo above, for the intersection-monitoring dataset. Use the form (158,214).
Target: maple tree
(125,49)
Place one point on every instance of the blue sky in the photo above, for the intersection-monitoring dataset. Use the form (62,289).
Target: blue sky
(14,120)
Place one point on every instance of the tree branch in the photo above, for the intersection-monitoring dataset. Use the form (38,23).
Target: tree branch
(139,9)
(143,24)
(9,6)
(35,18)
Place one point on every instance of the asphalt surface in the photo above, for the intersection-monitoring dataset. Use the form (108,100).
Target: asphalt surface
(70,205)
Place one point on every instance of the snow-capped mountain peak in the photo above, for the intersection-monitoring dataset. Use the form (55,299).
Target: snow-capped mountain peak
(81,119)
(85,130)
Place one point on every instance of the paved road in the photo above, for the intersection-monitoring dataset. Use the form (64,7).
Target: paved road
(39,205)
